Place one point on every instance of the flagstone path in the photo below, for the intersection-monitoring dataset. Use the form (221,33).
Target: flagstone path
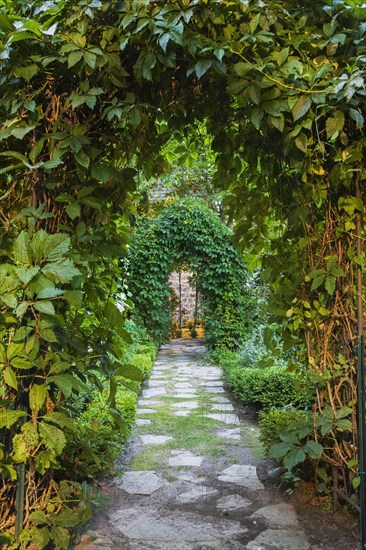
(193,477)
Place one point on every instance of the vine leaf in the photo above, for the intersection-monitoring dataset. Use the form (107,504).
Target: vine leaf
(37,396)
(334,124)
(301,107)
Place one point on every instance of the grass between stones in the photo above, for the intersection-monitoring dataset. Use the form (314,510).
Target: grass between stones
(194,433)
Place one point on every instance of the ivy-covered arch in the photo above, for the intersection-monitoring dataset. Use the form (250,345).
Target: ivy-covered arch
(89,89)
(188,232)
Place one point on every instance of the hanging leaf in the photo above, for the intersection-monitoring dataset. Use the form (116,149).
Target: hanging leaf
(21,250)
(202,67)
(313,449)
(44,306)
(61,271)
(50,292)
(26,274)
(53,437)
(10,378)
(8,418)
(330,284)
(301,107)
(334,124)
(73,210)
(61,536)
(37,397)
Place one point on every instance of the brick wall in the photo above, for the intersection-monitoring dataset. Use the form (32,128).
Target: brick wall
(188,294)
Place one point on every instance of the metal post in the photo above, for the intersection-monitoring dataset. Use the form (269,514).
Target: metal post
(361,388)
(19,501)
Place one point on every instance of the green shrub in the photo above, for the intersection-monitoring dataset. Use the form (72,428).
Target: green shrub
(265,389)
(98,441)
(226,358)
(143,362)
(274,422)
(296,447)
(148,349)
(137,332)
(102,428)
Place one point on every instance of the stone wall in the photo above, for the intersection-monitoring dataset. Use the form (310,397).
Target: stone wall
(188,294)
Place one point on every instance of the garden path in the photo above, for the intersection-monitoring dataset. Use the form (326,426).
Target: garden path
(193,477)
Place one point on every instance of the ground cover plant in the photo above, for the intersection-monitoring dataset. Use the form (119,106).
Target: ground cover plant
(90,93)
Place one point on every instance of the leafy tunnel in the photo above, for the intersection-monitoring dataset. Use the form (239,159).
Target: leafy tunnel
(189,232)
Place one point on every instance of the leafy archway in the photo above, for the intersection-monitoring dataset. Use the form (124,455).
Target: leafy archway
(188,232)
(87,88)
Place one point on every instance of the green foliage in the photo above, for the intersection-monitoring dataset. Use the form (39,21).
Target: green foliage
(272,387)
(105,417)
(98,441)
(264,388)
(296,445)
(189,232)
(143,362)
(86,90)
(274,422)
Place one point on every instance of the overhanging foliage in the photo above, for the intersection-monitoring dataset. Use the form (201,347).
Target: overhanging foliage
(88,87)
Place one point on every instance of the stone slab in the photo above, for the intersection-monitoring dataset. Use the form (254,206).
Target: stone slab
(186,405)
(149,402)
(151,439)
(142,422)
(153,392)
(227,418)
(141,482)
(215,389)
(280,515)
(283,539)
(191,477)
(219,399)
(163,525)
(185,458)
(244,475)
(201,492)
(185,395)
(223,407)
(233,433)
(233,503)
(146,411)
(156,383)
(182,413)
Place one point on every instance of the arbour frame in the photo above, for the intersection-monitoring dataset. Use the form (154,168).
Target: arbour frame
(188,232)
(86,87)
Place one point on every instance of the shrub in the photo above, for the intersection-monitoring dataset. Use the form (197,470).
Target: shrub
(104,421)
(98,441)
(269,388)
(265,388)
(295,446)
(226,358)
(143,362)
(147,349)
(137,332)
(274,422)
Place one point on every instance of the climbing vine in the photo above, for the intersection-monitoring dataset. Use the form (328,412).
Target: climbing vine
(90,89)
(189,233)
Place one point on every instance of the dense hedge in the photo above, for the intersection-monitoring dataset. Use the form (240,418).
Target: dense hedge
(265,388)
